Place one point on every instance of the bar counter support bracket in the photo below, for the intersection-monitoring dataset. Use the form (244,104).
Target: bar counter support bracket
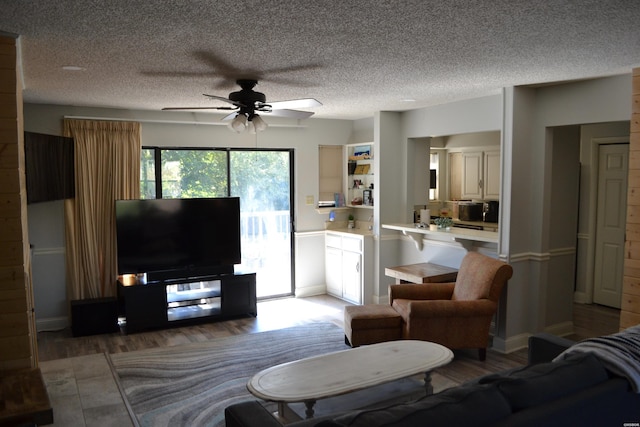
(416,237)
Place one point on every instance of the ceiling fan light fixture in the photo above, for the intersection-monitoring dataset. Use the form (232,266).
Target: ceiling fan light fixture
(258,123)
(239,123)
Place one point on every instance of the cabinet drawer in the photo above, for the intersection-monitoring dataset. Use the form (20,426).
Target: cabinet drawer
(333,240)
(352,244)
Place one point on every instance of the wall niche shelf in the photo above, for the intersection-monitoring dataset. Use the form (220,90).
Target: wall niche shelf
(359,173)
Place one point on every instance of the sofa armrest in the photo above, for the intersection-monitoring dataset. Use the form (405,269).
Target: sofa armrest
(249,414)
(544,347)
(427,291)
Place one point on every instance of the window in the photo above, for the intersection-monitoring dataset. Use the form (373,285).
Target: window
(262,180)
(330,168)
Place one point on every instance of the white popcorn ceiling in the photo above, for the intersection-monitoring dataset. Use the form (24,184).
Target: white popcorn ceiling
(355,56)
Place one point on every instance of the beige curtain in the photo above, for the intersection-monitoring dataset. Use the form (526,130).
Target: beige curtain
(107,168)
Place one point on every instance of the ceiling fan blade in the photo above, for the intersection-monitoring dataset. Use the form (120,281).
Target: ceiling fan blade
(292,114)
(221,98)
(295,103)
(198,108)
(230,116)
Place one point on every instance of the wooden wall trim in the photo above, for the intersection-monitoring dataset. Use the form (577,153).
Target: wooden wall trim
(630,310)
(18,340)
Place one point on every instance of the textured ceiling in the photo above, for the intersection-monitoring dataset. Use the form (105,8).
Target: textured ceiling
(356,57)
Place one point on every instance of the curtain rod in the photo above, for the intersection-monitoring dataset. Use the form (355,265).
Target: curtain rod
(180,122)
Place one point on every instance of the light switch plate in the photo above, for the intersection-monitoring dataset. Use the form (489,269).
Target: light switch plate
(310,200)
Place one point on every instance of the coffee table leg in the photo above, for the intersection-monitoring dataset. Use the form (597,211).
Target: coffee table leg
(309,404)
(427,383)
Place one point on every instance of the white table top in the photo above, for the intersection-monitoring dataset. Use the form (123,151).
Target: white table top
(349,370)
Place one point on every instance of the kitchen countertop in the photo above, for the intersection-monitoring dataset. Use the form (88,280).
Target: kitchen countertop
(357,231)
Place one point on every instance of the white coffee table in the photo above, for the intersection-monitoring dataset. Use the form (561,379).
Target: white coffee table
(333,374)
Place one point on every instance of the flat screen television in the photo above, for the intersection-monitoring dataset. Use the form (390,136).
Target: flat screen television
(178,238)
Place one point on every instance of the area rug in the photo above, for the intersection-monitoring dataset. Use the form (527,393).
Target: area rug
(190,385)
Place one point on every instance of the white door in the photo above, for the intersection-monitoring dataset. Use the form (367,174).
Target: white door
(611,224)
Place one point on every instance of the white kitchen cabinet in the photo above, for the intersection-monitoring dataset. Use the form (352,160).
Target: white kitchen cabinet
(481,175)
(472,175)
(349,266)
(491,175)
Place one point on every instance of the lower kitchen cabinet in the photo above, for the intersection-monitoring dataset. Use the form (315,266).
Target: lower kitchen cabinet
(349,266)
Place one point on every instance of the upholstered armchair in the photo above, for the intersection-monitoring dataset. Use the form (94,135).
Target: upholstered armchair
(456,315)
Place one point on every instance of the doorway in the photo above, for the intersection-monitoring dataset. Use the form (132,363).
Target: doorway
(613,166)
(263,181)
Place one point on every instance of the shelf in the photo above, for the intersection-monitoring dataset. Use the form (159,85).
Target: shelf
(193,291)
(193,312)
(192,295)
(329,209)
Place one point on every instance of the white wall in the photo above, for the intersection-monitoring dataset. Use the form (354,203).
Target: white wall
(524,116)
(185,129)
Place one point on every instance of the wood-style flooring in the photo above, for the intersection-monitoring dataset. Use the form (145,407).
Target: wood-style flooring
(83,391)
(589,320)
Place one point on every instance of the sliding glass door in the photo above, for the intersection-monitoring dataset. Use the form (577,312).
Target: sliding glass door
(262,180)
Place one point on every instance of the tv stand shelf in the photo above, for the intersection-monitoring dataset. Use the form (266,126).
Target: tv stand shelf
(163,304)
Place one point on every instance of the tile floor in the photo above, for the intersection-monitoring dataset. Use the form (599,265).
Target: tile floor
(83,392)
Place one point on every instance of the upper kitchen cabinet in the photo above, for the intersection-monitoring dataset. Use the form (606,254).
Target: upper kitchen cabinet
(359,173)
(491,175)
(481,175)
(474,166)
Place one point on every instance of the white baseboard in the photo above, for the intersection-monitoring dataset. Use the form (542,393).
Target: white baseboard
(52,324)
(521,341)
(511,344)
(560,329)
(582,298)
(311,291)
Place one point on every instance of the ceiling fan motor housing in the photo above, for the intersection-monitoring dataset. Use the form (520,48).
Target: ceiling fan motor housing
(247,97)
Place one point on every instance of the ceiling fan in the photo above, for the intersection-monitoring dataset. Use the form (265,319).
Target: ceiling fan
(247,103)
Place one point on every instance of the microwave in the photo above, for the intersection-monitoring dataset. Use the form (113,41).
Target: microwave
(470,211)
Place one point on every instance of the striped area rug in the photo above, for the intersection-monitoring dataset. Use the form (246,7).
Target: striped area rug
(190,385)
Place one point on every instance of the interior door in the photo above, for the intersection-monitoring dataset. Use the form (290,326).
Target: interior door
(613,164)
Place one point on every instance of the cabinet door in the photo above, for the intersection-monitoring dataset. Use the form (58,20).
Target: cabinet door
(333,270)
(472,175)
(239,295)
(352,276)
(492,175)
(145,307)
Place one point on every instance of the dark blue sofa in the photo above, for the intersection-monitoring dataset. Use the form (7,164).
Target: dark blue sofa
(575,391)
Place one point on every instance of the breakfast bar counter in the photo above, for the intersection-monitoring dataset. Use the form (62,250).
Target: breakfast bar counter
(466,237)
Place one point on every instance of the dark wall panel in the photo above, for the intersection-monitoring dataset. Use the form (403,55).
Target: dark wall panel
(49,167)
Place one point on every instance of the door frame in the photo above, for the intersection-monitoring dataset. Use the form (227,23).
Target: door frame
(593,209)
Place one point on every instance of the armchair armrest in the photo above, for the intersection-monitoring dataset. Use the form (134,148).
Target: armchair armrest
(448,308)
(427,291)
(544,347)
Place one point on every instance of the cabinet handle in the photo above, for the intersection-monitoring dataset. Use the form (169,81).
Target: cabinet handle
(358,267)
(480,184)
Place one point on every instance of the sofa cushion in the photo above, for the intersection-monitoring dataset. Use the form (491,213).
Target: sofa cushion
(481,404)
(536,384)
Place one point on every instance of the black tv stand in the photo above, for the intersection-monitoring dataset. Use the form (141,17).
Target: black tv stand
(181,301)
